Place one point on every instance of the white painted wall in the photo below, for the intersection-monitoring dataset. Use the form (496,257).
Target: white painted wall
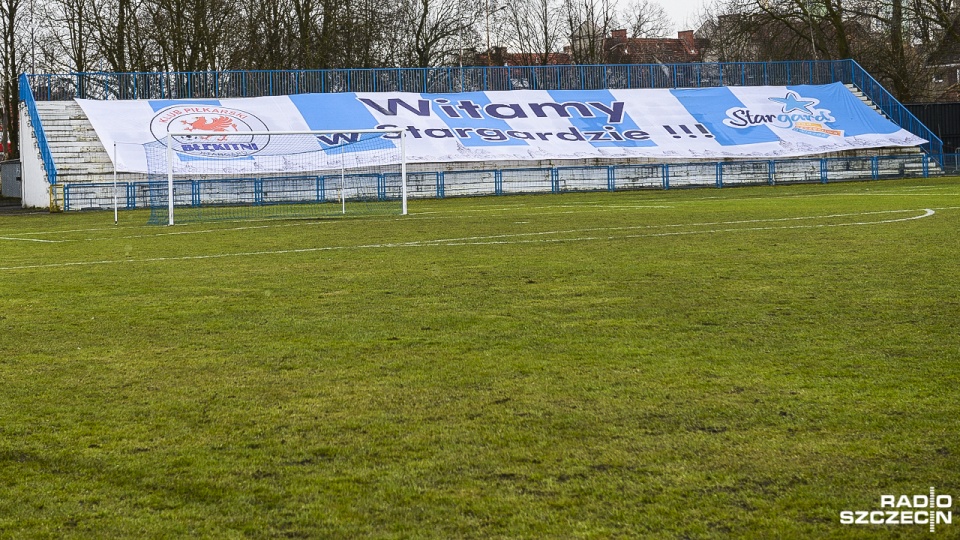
(36,190)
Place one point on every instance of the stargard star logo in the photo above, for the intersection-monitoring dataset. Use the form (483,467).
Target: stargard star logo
(792,112)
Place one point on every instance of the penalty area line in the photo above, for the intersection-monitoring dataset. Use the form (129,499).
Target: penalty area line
(13,239)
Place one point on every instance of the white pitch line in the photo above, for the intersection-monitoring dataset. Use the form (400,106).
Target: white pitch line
(11,239)
(499,239)
(675,225)
(927,213)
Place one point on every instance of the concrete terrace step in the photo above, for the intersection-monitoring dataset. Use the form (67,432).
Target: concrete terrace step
(77,151)
(863,97)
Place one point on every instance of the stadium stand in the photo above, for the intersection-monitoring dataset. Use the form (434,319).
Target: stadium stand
(66,167)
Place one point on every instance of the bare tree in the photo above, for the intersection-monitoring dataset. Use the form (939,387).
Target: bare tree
(731,32)
(366,32)
(430,31)
(262,39)
(191,34)
(536,29)
(892,39)
(588,23)
(647,19)
(11,22)
(67,29)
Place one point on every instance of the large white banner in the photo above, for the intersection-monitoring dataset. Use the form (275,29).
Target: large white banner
(678,124)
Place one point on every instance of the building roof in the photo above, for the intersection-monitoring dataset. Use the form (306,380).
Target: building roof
(618,48)
(684,48)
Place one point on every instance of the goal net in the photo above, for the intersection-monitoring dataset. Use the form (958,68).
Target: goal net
(263,175)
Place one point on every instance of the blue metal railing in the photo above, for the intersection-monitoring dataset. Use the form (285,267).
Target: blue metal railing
(230,84)
(26,97)
(480,182)
(255,83)
(895,110)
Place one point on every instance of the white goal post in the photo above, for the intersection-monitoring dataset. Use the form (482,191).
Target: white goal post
(270,169)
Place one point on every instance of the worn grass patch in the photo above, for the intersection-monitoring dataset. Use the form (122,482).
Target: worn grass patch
(690,364)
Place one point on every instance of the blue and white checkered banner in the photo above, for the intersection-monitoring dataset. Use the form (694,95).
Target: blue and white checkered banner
(680,124)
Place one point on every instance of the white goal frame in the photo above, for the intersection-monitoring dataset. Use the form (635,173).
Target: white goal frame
(403,156)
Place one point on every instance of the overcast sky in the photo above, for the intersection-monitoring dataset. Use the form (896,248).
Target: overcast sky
(683,12)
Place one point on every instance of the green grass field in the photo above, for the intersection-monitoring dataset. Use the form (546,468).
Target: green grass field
(742,363)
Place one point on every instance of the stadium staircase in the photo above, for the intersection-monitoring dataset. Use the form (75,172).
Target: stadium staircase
(934,167)
(74,144)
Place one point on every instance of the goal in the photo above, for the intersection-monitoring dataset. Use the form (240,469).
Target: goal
(261,175)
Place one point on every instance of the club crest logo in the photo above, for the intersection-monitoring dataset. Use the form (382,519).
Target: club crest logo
(210,131)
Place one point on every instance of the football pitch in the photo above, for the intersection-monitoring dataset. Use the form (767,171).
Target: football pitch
(735,363)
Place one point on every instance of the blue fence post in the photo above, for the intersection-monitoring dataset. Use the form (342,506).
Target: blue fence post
(555,180)
(823,170)
(771,172)
(719,174)
(440,184)
(611,178)
(875,167)
(666,175)
(498,182)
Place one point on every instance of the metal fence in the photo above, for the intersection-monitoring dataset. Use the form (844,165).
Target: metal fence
(442,184)
(256,83)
